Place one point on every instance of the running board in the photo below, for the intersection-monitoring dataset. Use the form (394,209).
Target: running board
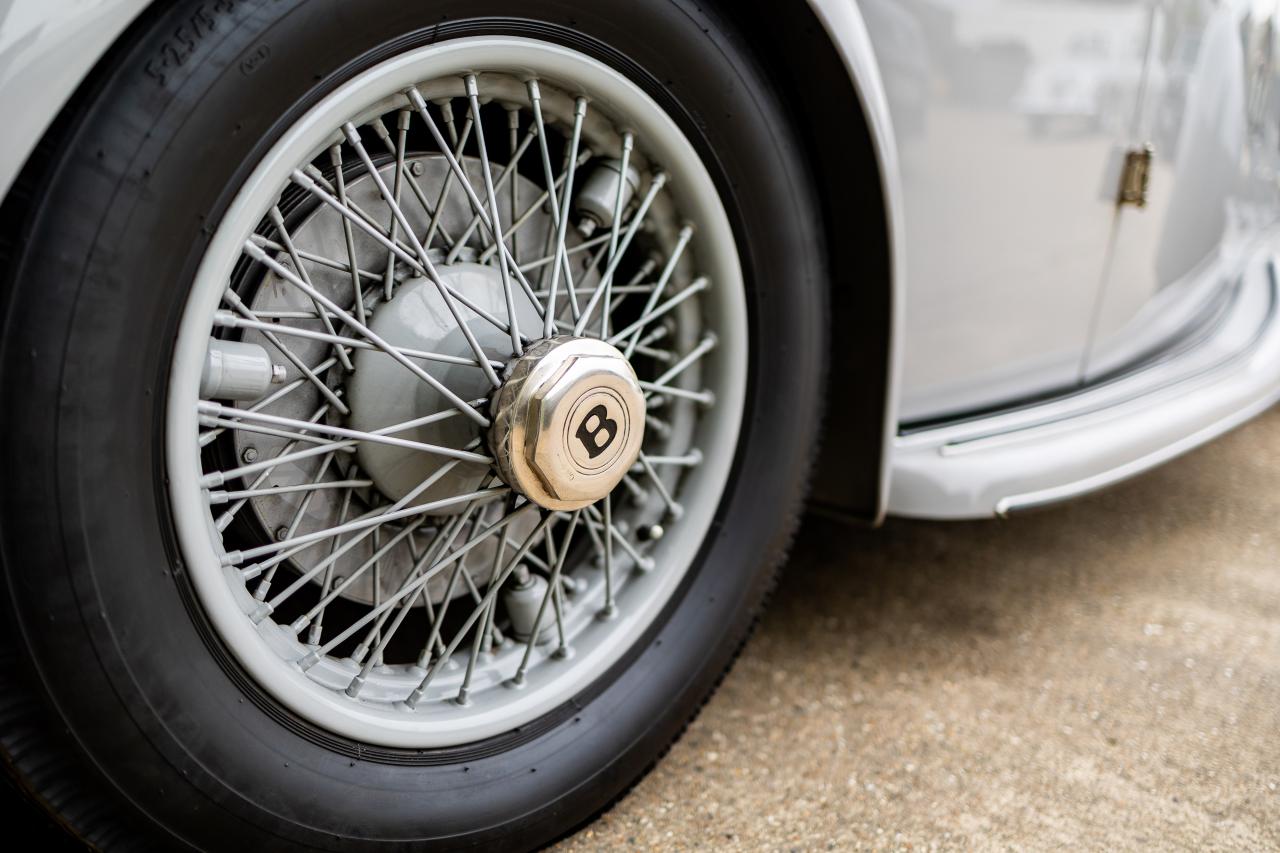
(1096,437)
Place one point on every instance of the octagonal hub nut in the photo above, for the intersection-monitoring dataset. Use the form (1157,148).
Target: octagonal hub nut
(568,422)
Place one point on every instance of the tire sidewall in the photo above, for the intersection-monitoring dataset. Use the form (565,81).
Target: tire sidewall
(95,578)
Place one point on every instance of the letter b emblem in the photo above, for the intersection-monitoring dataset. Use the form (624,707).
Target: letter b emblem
(597,431)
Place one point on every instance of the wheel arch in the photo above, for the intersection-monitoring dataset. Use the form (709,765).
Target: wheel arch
(819,54)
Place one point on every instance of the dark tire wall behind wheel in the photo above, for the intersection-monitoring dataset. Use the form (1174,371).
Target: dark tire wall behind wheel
(138,724)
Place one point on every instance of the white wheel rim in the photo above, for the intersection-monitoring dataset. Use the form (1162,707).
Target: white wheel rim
(380,714)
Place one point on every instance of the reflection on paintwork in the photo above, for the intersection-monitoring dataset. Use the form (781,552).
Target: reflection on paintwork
(1210,111)
(1012,119)
(1003,172)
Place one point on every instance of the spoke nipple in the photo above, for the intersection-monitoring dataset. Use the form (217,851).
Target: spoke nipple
(708,398)
(563,653)
(260,594)
(308,660)
(298,624)
(645,564)
(353,689)
(608,613)
(359,653)
(675,511)
(414,698)
(231,558)
(461,698)
(303,180)
(516,682)
(217,498)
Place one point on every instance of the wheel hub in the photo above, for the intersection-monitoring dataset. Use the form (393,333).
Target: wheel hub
(568,422)
(383,393)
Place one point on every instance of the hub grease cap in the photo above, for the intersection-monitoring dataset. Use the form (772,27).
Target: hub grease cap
(568,422)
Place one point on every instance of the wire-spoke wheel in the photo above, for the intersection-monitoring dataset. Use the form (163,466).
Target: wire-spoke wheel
(417,406)
(416,501)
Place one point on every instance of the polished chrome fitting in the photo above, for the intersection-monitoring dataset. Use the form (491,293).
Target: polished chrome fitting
(567,422)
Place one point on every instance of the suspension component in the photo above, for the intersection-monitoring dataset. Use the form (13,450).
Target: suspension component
(523,596)
(595,202)
(236,370)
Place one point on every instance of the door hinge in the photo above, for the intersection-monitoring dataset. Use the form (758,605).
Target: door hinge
(1135,180)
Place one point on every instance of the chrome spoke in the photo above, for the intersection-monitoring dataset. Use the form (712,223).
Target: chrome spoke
(507,262)
(237,304)
(266,467)
(446,185)
(618,249)
(236,557)
(397,186)
(252,250)
(628,142)
(264,585)
(233,415)
(696,287)
(230,321)
(503,180)
(353,138)
(495,224)
(340,189)
(278,221)
(416,696)
(412,588)
(318,260)
(396,145)
(519,220)
(560,210)
(306,182)
(682,241)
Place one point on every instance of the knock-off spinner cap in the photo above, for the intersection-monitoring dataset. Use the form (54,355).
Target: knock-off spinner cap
(568,422)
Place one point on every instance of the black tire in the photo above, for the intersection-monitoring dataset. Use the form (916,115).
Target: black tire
(125,715)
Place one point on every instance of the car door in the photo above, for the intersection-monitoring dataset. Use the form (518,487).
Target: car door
(1007,115)
(1209,117)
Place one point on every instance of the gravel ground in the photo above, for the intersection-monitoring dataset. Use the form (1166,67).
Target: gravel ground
(1102,675)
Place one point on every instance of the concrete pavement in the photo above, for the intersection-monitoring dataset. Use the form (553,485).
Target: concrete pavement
(1101,675)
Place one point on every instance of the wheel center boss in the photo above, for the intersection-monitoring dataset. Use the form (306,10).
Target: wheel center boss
(568,422)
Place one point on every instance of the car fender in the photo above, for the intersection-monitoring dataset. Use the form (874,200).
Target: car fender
(47,48)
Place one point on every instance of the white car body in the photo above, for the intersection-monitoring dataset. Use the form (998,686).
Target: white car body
(1046,341)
